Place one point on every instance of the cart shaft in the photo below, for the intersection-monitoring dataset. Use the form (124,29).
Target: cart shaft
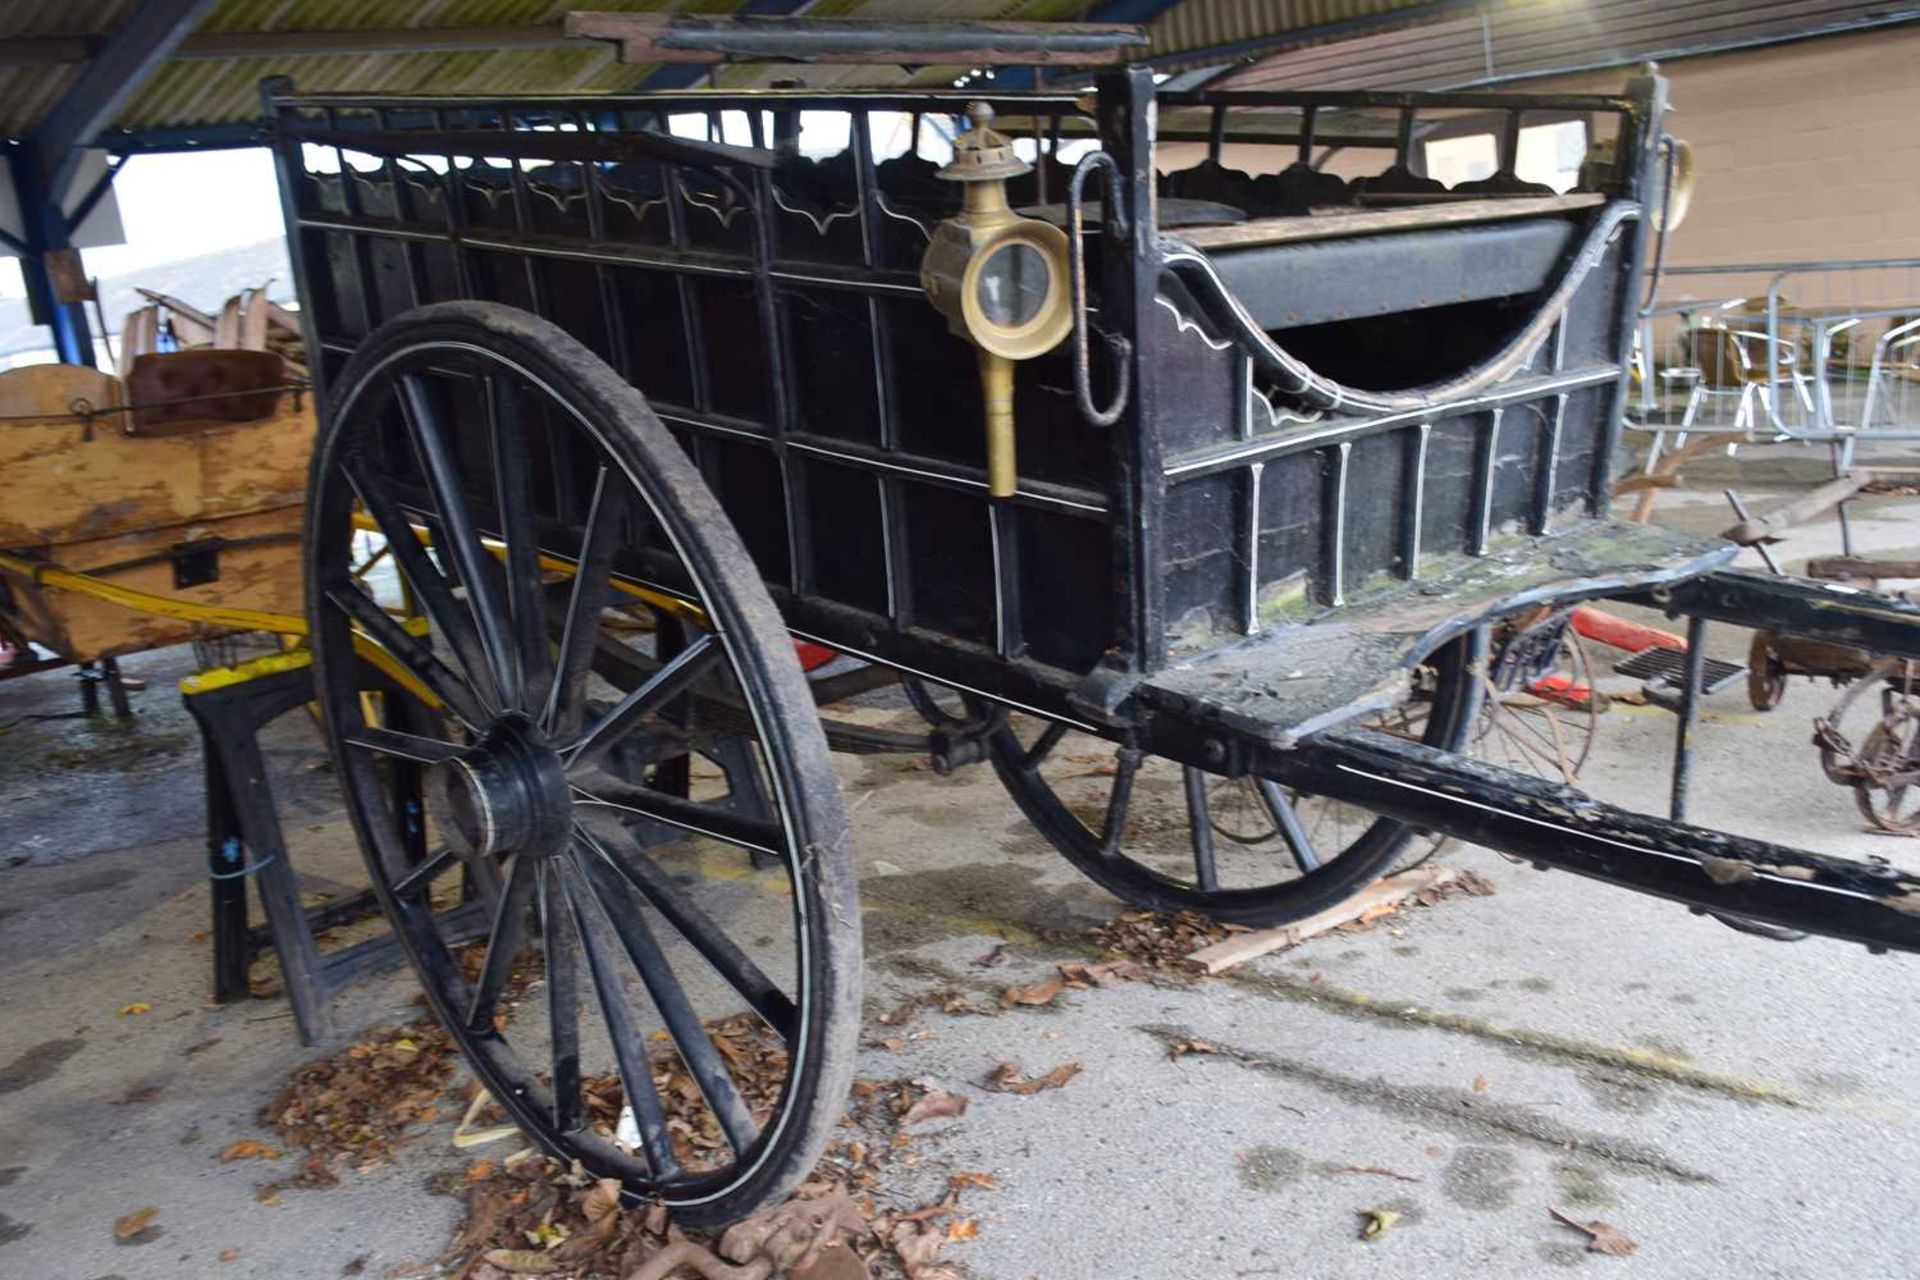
(1559,826)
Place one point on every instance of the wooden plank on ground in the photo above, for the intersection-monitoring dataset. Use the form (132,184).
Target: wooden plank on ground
(1802,509)
(1389,891)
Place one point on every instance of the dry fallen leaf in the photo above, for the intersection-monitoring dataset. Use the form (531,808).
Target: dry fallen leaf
(928,1212)
(835,1262)
(479,1169)
(899,1014)
(521,1262)
(1374,1221)
(228,1255)
(133,1224)
(962,1180)
(934,1105)
(1375,912)
(1180,1048)
(135,1009)
(1108,973)
(602,1202)
(1041,992)
(915,1245)
(1479,1084)
(966,1229)
(249,1149)
(892,1044)
(1006,1078)
(355,1106)
(1602,1237)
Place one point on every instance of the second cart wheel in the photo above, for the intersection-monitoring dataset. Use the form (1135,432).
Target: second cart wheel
(1542,719)
(1143,828)
(1890,758)
(668,990)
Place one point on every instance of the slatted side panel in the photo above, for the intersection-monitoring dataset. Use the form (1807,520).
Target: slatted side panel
(778,328)
(1276,516)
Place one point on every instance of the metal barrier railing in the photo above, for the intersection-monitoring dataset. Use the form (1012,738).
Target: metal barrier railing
(1822,352)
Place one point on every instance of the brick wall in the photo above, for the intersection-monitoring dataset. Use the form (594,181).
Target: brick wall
(1805,151)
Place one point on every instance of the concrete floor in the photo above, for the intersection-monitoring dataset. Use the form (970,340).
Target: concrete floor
(1740,1108)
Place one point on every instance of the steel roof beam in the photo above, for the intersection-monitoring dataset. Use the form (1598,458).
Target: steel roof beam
(685,37)
(1142,12)
(684,75)
(213,45)
(131,54)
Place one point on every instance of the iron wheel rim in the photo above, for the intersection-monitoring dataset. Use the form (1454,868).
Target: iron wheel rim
(575,873)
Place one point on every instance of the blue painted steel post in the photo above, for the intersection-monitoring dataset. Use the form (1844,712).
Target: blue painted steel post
(46,231)
(143,36)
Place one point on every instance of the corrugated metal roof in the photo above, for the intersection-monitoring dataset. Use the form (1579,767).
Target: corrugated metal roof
(1205,24)
(1531,38)
(1513,39)
(215,91)
(209,91)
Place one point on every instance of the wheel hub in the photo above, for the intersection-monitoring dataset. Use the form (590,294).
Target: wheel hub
(505,794)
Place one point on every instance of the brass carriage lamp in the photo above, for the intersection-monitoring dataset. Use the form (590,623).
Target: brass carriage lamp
(1000,280)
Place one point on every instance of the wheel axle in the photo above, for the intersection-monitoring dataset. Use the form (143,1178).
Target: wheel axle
(506,794)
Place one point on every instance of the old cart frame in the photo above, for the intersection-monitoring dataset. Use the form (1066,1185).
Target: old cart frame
(1334,451)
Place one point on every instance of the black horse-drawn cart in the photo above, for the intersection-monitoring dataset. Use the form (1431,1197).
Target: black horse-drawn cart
(1234,474)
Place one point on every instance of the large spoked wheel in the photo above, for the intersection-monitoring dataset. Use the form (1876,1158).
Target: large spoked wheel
(1169,837)
(623,740)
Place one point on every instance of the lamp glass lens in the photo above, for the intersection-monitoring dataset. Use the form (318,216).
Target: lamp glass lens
(1012,285)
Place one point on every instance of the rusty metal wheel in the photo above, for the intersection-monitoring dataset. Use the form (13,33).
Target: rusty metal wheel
(1887,794)
(1541,715)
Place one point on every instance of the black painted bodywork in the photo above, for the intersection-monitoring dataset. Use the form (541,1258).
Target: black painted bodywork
(771,312)
(1337,452)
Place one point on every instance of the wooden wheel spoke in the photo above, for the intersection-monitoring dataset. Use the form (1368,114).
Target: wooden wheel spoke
(645,878)
(408,746)
(411,652)
(504,941)
(563,1001)
(566,701)
(1281,810)
(424,873)
(1205,872)
(687,815)
(636,1072)
(460,539)
(697,1050)
(680,673)
(1126,765)
(423,578)
(541,525)
(1043,746)
(513,500)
